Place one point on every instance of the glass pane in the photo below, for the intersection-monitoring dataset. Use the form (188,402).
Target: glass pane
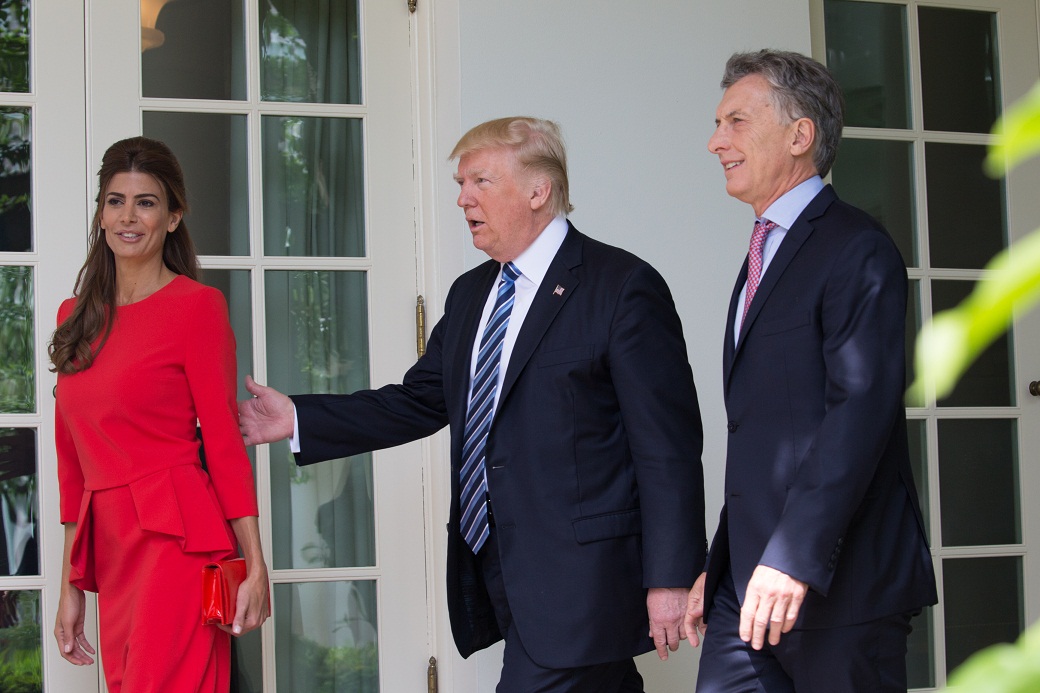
(966,210)
(866,51)
(326,637)
(309,51)
(322,515)
(211,149)
(960,84)
(978,482)
(878,177)
(193,49)
(313,187)
(920,651)
(19,503)
(247,663)
(21,664)
(15,179)
(14,45)
(235,285)
(18,365)
(988,382)
(913,325)
(916,430)
(983,604)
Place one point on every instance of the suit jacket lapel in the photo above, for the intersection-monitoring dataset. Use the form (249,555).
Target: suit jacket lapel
(547,302)
(796,236)
(462,356)
(728,349)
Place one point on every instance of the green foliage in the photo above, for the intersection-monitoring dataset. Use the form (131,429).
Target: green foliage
(21,664)
(17,367)
(332,669)
(14,45)
(1013,668)
(22,672)
(1019,133)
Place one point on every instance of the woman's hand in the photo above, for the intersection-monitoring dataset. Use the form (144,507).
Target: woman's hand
(68,629)
(72,604)
(253,605)
(254,601)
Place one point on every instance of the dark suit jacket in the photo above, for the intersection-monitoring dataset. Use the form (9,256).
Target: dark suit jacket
(818,478)
(593,459)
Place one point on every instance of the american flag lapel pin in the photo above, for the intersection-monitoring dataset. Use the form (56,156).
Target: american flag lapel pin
(558,291)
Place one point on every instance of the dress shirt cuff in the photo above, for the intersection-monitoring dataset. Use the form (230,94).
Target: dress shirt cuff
(294,442)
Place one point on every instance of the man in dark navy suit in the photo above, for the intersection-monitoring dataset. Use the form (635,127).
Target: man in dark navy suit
(577,511)
(820,559)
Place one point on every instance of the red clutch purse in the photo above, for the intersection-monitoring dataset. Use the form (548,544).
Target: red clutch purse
(220,583)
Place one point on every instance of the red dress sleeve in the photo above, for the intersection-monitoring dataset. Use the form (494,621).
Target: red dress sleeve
(70,474)
(210,368)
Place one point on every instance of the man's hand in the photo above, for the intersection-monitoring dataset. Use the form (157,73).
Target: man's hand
(267,417)
(694,621)
(772,603)
(666,606)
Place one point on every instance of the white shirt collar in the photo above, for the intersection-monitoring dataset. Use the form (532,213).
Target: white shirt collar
(534,262)
(786,209)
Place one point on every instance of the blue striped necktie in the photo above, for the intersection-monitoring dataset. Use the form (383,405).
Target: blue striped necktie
(473,499)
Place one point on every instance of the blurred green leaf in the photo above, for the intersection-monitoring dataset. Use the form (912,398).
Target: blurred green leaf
(1004,668)
(1018,135)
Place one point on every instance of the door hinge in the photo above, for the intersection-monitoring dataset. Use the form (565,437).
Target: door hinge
(420,327)
(431,676)
(411,6)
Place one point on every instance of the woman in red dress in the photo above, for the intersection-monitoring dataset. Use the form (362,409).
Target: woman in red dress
(144,355)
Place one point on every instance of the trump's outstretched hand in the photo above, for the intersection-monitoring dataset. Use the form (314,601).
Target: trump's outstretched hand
(266,417)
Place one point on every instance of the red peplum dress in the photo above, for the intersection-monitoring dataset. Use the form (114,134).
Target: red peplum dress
(148,515)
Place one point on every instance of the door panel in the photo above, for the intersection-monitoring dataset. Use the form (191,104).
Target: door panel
(292,121)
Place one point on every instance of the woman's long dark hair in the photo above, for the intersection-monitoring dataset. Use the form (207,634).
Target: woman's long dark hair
(70,349)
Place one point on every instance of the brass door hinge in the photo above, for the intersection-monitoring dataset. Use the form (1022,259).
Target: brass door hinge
(431,676)
(420,327)
(411,6)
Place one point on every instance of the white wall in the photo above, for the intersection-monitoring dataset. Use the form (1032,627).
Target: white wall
(634,85)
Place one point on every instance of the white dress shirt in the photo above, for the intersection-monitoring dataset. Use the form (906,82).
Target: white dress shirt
(784,211)
(533,263)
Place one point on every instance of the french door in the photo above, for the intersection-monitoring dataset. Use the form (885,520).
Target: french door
(924,82)
(293,122)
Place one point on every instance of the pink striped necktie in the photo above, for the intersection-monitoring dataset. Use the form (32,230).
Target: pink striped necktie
(754,272)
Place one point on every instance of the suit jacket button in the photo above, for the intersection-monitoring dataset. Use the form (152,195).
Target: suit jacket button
(732,426)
